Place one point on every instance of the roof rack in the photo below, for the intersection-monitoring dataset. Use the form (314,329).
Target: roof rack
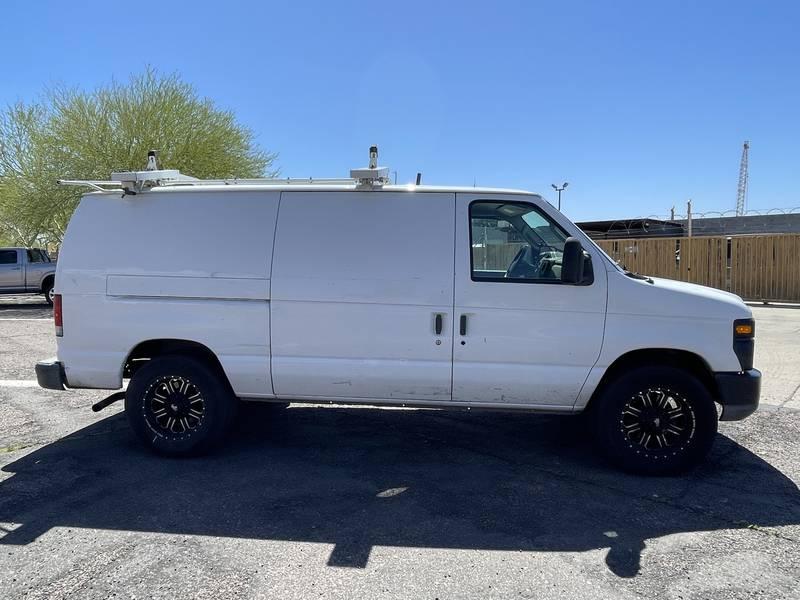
(108,186)
(135,182)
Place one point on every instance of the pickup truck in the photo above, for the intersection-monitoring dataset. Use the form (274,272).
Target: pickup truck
(27,271)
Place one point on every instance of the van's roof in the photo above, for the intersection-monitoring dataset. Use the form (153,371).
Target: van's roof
(321,187)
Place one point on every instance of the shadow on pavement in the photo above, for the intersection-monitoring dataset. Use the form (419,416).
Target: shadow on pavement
(25,307)
(358,478)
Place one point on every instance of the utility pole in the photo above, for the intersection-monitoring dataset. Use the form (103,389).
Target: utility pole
(689,217)
(559,190)
(672,213)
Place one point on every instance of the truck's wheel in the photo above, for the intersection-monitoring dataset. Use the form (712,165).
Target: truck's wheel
(655,420)
(179,406)
(47,290)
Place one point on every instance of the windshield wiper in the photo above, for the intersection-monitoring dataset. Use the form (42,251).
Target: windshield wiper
(633,275)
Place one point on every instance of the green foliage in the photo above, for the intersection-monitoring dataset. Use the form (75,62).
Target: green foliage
(74,134)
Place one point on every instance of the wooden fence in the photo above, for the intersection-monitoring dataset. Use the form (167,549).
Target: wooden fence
(758,267)
(494,257)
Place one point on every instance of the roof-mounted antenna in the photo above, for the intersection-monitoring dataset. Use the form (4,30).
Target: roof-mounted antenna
(419,178)
(373,175)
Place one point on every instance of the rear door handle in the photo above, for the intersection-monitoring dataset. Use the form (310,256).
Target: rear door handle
(462,325)
(437,327)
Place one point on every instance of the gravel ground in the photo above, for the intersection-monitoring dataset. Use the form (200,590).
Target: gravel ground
(365,503)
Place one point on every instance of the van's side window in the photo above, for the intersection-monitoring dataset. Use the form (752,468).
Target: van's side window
(514,241)
(8,257)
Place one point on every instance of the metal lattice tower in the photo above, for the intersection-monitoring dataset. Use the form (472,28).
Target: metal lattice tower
(741,193)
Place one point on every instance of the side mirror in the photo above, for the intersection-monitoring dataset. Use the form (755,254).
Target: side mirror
(572,262)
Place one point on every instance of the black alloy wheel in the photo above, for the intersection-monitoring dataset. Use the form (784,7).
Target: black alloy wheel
(180,405)
(654,420)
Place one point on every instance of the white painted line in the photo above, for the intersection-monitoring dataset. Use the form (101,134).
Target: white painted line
(19,383)
(21,319)
(6,528)
(610,534)
(391,492)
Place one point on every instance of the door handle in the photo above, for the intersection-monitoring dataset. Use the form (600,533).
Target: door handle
(437,324)
(462,325)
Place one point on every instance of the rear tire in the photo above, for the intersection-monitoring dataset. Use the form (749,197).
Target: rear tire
(655,421)
(47,290)
(179,406)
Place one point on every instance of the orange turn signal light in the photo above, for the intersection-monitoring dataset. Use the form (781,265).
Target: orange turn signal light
(744,329)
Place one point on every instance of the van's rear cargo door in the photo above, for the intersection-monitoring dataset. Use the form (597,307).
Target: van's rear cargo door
(362,295)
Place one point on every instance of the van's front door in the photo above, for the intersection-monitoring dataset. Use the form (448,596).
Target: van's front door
(362,295)
(522,337)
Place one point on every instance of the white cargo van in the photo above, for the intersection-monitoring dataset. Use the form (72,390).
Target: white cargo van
(206,293)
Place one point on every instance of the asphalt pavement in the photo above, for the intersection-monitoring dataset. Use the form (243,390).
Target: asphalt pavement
(329,502)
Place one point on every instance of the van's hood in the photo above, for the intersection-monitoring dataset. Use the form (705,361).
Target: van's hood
(697,290)
(667,297)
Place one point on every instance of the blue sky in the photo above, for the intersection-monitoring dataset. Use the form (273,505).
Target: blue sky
(639,105)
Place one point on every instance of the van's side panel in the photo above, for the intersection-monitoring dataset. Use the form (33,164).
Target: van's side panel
(174,264)
(357,282)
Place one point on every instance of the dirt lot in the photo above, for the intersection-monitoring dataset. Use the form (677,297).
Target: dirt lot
(368,503)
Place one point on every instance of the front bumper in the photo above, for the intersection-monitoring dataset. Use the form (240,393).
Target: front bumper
(50,375)
(738,393)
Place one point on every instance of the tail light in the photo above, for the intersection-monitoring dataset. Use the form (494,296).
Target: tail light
(58,315)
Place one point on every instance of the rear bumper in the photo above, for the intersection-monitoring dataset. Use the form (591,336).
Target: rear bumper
(738,393)
(50,375)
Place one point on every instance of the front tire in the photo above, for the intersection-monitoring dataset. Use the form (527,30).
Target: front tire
(655,421)
(179,406)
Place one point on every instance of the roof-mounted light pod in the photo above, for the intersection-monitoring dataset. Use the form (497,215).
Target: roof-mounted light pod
(152,161)
(373,176)
(133,182)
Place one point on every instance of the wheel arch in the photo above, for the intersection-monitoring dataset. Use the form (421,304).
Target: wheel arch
(50,277)
(149,349)
(682,359)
